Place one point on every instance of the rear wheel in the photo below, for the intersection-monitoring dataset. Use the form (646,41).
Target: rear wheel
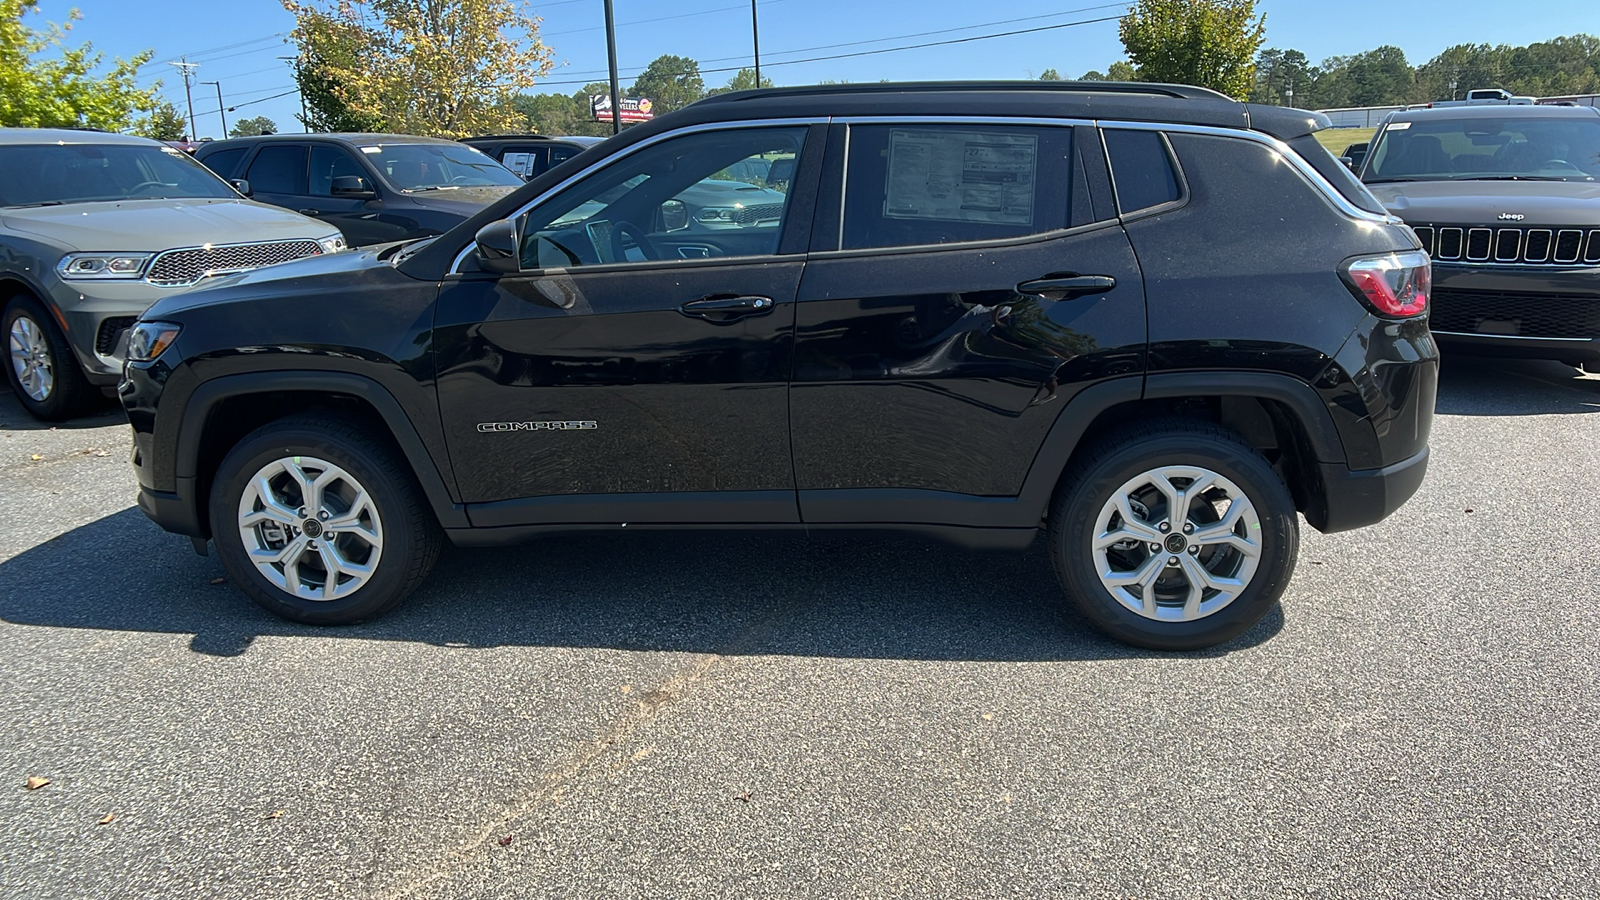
(1174,535)
(41,368)
(321,523)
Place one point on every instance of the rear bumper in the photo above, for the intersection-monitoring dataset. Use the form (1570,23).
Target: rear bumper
(1356,498)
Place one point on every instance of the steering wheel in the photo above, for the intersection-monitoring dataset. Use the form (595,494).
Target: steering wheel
(620,230)
(145,184)
(460,179)
(1558,164)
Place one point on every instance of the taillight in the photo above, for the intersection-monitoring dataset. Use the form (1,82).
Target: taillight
(1394,284)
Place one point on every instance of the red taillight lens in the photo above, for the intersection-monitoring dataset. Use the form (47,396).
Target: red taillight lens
(1394,284)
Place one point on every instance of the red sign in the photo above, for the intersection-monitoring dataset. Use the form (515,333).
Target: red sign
(639,110)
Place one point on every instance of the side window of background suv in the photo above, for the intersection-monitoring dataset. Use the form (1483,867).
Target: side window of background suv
(1141,169)
(279,169)
(910,185)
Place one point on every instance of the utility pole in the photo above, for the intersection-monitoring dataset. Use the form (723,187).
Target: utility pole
(186,67)
(611,51)
(220,110)
(755,39)
(301,85)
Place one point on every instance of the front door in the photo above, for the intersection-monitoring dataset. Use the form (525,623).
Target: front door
(613,381)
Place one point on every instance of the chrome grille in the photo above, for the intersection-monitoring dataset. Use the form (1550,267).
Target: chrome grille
(173,268)
(1511,246)
(766,212)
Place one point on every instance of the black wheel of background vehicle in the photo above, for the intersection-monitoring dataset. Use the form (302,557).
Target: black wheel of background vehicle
(1173,535)
(321,522)
(41,368)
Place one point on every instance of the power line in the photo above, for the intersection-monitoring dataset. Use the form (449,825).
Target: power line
(262,100)
(703,12)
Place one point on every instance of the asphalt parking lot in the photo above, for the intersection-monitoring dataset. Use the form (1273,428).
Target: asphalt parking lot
(748,716)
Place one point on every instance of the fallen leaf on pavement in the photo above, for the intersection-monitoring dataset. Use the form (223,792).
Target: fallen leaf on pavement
(505,841)
(988,717)
(744,797)
(106,819)
(219,581)
(35,782)
(36,457)
(273,815)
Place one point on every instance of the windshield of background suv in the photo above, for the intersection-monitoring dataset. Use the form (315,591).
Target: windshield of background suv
(429,167)
(1513,148)
(52,174)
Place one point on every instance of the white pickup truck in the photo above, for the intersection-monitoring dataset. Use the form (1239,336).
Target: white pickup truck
(1484,97)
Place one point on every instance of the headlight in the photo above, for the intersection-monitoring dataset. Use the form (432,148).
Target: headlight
(717,214)
(100,266)
(333,244)
(147,340)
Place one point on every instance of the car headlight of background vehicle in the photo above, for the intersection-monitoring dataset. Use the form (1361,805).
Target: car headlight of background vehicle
(102,266)
(333,244)
(718,214)
(148,340)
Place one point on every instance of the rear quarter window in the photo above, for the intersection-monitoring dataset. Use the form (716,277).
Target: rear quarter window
(1343,180)
(223,162)
(1141,169)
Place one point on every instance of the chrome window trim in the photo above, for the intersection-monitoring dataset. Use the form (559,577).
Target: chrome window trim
(455,266)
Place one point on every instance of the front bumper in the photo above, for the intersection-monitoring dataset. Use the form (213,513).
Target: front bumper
(1356,498)
(1542,312)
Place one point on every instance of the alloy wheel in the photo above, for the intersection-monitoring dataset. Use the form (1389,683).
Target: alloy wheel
(30,359)
(1177,543)
(310,528)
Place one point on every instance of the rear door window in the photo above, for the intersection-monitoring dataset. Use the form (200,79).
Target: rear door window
(279,169)
(1141,169)
(914,184)
(222,162)
(327,163)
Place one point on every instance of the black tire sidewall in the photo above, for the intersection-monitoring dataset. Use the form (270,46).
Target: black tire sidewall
(378,474)
(1079,510)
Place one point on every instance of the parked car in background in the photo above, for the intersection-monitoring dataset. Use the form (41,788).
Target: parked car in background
(1142,322)
(96,227)
(1354,155)
(375,188)
(1507,201)
(530,155)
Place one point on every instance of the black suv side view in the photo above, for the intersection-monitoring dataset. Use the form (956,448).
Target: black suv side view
(1150,322)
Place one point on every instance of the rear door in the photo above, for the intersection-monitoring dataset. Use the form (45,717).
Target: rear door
(277,174)
(950,310)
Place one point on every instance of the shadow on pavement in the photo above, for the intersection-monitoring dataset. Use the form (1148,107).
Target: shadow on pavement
(699,592)
(1486,386)
(14,418)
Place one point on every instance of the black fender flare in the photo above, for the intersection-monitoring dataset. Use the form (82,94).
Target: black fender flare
(204,399)
(1082,410)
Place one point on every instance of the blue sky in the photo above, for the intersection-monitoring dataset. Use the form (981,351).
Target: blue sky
(236,41)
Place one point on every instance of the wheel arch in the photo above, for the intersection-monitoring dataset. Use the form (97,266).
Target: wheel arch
(1281,417)
(220,412)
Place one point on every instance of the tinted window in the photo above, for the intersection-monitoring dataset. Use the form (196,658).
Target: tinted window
(677,191)
(1141,169)
(279,169)
(83,173)
(423,167)
(223,161)
(328,163)
(1531,147)
(526,162)
(561,153)
(912,185)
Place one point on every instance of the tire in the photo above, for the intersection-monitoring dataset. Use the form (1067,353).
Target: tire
(385,545)
(40,365)
(1142,599)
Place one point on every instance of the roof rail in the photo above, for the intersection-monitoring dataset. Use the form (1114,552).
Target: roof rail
(1179,91)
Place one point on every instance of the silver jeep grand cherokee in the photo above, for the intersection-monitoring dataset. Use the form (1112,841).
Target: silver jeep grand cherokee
(96,227)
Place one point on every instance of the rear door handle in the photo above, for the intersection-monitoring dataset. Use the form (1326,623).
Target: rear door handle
(1062,287)
(721,309)
(310,212)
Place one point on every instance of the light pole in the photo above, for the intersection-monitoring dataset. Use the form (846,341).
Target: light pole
(223,113)
(611,52)
(186,67)
(301,84)
(755,40)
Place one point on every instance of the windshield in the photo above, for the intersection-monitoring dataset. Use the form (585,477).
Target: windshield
(1513,148)
(52,174)
(428,167)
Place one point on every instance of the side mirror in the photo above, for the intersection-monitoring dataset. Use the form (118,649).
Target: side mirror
(240,185)
(1348,163)
(499,248)
(352,187)
(674,216)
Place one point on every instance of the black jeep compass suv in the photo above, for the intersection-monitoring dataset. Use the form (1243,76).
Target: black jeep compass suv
(1146,320)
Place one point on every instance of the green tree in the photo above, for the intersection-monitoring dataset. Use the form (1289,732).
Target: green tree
(439,67)
(1121,70)
(1207,43)
(563,114)
(744,80)
(1279,72)
(1049,75)
(253,127)
(1379,77)
(671,82)
(162,123)
(46,84)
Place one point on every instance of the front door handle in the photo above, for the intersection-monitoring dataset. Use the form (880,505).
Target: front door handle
(310,212)
(721,309)
(1062,287)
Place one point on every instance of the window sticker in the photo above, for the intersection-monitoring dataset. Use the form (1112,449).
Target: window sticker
(961,176)
(1399,126)
(519,162)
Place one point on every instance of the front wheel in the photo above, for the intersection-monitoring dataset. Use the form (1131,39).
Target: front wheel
(42,371)
(1175,535)
(319,522)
